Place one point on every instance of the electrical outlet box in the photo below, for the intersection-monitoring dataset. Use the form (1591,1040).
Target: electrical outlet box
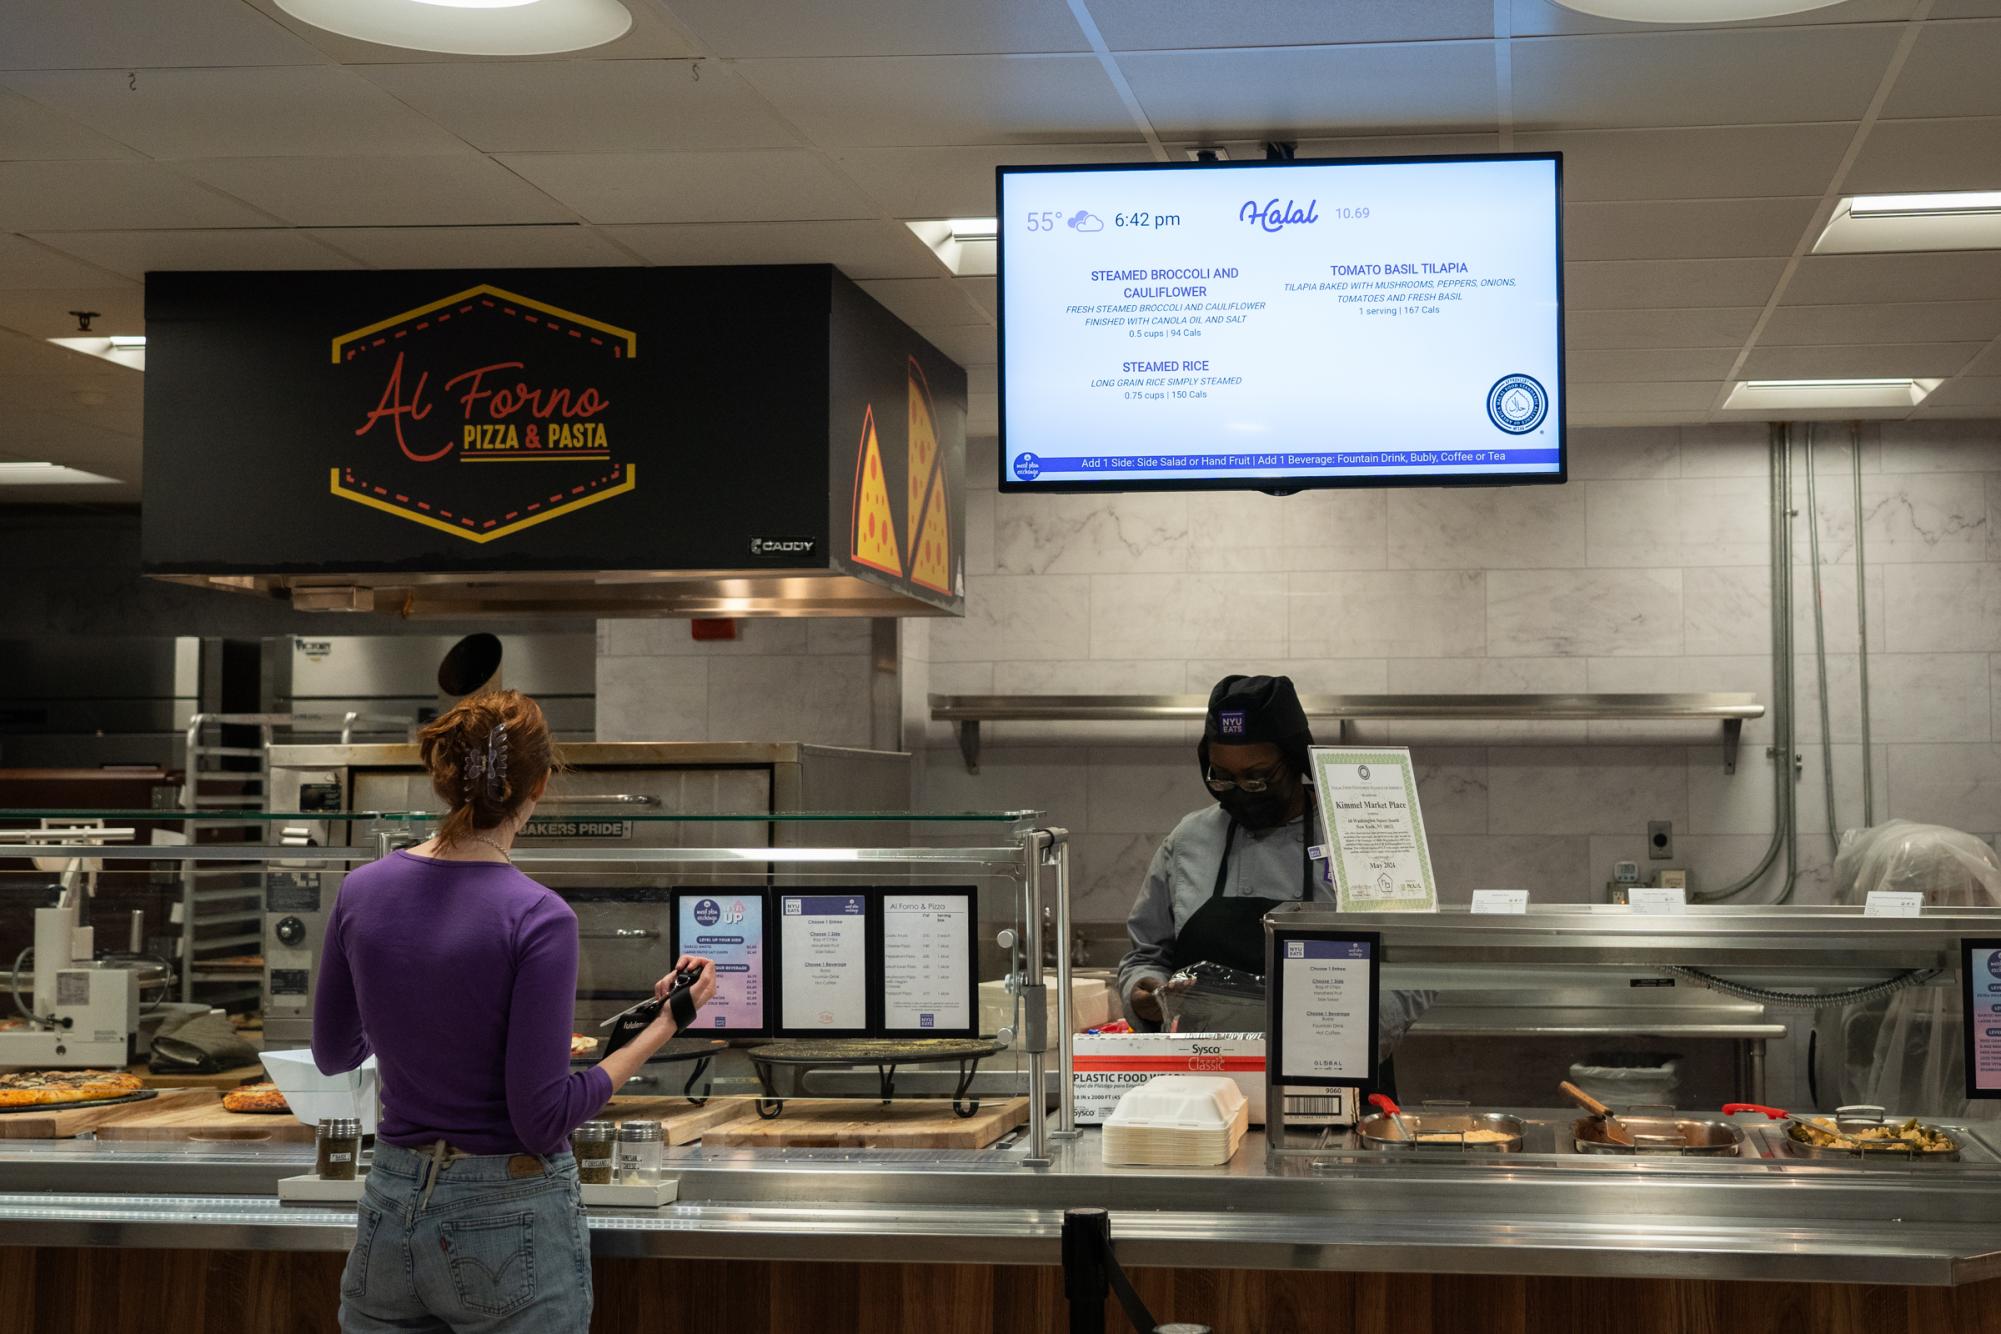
(1660,840)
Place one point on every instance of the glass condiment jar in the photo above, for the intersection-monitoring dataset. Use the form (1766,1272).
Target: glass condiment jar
(339,1149)
(642,1150)
(592,1144)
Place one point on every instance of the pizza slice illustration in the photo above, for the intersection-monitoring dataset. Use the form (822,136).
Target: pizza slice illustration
(923,438)
(873,528)
(931,548)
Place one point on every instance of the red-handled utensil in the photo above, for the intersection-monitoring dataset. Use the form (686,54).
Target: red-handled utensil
(1780,1114)
(1382,1103)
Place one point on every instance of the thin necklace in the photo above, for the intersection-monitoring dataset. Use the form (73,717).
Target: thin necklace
(481,838)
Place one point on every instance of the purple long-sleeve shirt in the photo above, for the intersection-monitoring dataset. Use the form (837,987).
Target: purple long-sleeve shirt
(461,978)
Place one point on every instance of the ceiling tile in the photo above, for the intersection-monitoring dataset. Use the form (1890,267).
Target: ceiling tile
(1680,229)
(1965,392)
(1816,363)
(377,192)
(1709,363)
(31,263)
(113,402)
(982,292)
(1951,72)
(121,308)
(1164,25)
(1710,77)
(969,345)
(30,132)
(1986,362)
(1652,284)
(23,355)
(1726,162)
(293,112)
(1611,415)
(653,36)
(982,380)
(1916,155)
(774,185)
(859,248)
(73,196)
(1966,9)
(914,100)
(144,34)
(570,245)
(588,106)
(1860,279)
(880,28)
(1597,399)
(134,253)
(1609,329)
(957,182)
(982,414)
(1540,17)
(927,303)
(1901,322)
(1299,92)
(1391,145)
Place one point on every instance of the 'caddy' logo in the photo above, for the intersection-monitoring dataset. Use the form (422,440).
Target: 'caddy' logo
(484,413)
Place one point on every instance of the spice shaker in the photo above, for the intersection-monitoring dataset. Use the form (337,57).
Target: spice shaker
(339,1149)
(641,1152)
(591,1142)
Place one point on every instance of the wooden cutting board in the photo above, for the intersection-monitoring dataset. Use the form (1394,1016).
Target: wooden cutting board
(68,1122)
(680,1122)
(861,1123)
(224,1081)
(193,1115)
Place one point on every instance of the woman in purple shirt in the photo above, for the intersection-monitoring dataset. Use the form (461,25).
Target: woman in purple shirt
(459,974)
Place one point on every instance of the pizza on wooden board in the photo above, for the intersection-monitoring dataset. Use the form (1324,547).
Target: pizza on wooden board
(56,1088)
(264,1097)
(582,1045)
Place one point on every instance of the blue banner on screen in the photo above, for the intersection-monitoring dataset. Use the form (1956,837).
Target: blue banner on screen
(728,928)
(1313,323)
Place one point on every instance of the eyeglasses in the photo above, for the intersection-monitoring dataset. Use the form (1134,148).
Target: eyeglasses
(1252,783)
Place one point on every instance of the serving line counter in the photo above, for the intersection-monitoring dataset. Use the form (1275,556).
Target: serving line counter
(1310,1202)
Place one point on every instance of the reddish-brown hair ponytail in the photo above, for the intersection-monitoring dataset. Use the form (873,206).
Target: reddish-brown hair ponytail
(486,755)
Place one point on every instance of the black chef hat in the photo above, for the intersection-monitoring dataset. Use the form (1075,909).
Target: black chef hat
(1245,710)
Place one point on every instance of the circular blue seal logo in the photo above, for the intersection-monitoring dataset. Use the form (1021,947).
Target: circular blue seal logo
(708,912)
(1994,964)
(1517,404)
(1027,467)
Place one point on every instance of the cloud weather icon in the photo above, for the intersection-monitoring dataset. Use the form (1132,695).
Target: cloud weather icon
(1086,221)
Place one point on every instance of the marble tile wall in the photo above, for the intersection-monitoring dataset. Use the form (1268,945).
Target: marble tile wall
(1647,573)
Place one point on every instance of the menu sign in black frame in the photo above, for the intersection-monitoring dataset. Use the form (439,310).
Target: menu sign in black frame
(1310,1006)
(731,927)
(824,955)
(1980,1014)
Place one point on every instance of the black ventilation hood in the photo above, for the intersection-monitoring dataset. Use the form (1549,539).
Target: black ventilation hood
(754,441)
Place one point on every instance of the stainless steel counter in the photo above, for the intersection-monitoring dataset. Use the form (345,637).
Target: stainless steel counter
(1760,1216)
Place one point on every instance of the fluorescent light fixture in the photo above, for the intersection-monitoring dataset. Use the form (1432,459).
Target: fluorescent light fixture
(470,27)
(967,247)
(1692,11)
(975,229)
(127,350)
(1953,220)
(1867,393)
(46,474)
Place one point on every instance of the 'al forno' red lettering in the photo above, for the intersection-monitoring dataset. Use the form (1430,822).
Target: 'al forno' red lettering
(392,406)
(504,401)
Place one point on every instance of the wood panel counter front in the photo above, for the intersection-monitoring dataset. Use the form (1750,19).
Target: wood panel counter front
(192,1292)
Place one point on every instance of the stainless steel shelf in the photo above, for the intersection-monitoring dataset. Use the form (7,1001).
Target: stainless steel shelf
(1730,710)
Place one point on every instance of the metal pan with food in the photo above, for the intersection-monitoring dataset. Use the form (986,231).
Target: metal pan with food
(1668,1134)
(1434,1129)
(1859,1132)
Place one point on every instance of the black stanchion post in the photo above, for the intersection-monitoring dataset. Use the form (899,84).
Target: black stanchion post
(1087,1241)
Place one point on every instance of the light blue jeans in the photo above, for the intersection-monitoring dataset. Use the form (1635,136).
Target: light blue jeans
(470,1244)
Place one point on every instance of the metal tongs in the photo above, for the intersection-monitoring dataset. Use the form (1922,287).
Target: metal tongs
(1833,1131)
(1382,1103)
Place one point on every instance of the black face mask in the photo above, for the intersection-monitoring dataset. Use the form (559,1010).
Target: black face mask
(1261,810)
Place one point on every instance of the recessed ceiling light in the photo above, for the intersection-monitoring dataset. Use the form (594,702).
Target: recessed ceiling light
(470,27)
(968,247)
(46,474)
(974,229)
(1957,220)
(1896,393)
(127,350)
(1692,11)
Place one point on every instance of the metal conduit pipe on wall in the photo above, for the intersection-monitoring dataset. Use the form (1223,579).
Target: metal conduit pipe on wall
(1862,624)
(1820,648)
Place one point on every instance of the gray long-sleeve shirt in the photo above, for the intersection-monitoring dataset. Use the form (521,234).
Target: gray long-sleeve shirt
(1264,863)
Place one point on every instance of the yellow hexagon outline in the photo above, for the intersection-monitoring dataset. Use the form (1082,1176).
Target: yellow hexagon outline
(630,338)
(474,535)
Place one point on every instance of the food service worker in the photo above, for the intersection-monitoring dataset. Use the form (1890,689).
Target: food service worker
(1227,865)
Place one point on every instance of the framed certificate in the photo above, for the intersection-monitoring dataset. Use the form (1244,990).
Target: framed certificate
(1322,1007)
(728,926)
(929,953)
(1376,845)
(823,955)
(1980,1009)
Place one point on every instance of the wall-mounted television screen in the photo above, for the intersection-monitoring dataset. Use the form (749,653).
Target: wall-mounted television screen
(1279,325)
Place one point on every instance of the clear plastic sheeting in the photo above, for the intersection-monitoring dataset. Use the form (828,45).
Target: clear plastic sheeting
(1211,998)
(1906,1051)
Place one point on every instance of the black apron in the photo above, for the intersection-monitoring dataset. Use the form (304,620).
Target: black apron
(1230,929)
